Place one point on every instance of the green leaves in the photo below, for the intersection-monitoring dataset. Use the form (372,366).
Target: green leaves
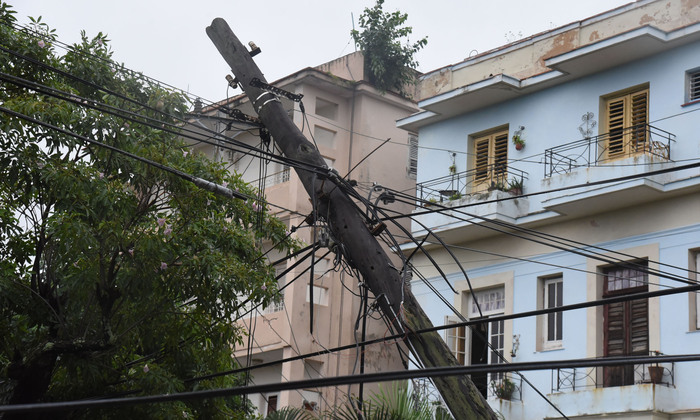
(388,62)
(108,265)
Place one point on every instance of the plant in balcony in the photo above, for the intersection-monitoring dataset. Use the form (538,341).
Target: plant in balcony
(503,389)
(656,372)
(515,186)
(453,169)
(456,196)
(500,186)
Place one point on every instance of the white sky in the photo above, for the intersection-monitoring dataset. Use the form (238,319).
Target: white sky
(166,39)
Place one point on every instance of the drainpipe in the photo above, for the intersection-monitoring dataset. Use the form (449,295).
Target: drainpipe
(352,125)
(352,112)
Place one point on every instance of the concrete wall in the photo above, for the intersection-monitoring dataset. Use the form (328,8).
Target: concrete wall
(552,117)
(525,58)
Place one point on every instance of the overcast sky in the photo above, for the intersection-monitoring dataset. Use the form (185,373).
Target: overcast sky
(166,39)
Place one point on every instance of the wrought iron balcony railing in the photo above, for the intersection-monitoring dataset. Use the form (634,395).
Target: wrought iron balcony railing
(506,386)
(564,380)
(474,181)
(643,139)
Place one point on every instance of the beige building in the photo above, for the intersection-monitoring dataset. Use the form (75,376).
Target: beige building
(347,119)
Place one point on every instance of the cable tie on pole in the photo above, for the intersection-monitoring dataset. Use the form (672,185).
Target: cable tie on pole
(273,99)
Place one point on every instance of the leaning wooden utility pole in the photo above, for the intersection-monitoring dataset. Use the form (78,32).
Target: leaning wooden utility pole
(349,229)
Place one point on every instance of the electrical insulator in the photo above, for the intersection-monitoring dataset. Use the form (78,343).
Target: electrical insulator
(254,49)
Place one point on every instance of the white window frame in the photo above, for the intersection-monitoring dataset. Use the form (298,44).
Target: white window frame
(548,344)
(697,294)
(491,302)
(320,295)
(412,166)
(456,339)
(694,297)
(692,85)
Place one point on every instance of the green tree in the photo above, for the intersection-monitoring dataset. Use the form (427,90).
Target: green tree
(115,276)
(389,63)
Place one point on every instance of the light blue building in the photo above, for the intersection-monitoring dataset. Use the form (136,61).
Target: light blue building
(560,169)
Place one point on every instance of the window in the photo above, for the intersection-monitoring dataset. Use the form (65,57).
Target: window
(482,343)
(326,109)
(693,85)
(490,160)
(626,118)
(491,301)
(487,339)
(550,325)
(324,137)
(277,303)
(278,175)
(456,340)
(271,403)
(320,295)
(412,168)
(693,268)
(626,324)
(697,301)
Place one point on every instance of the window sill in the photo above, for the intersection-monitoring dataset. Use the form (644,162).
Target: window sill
(697,101)
(551,347)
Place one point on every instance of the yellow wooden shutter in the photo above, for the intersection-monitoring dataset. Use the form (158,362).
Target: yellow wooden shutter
(481,159)
(615,111)
(627,119)
(490,160)
(639,105)
(500,156)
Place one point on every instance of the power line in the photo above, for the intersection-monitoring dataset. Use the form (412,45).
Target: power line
(350,379)
(152,122)
(494,318)
(93,104)
(202,183)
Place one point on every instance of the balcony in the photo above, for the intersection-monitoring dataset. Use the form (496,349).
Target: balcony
(505,386)
(583,392)
(638,140)
(564,380)
(486,191)
(475,181)
(277,177)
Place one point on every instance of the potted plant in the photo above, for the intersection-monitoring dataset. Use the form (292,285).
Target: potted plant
(515,186)
(456,196)
(656,372)
(503,389)
(518,139)
(453,169)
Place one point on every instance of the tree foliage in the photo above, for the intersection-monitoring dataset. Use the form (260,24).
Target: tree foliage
(389,63)
(115,276)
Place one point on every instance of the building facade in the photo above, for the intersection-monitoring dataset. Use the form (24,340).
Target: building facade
(559,169)
(350,122)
